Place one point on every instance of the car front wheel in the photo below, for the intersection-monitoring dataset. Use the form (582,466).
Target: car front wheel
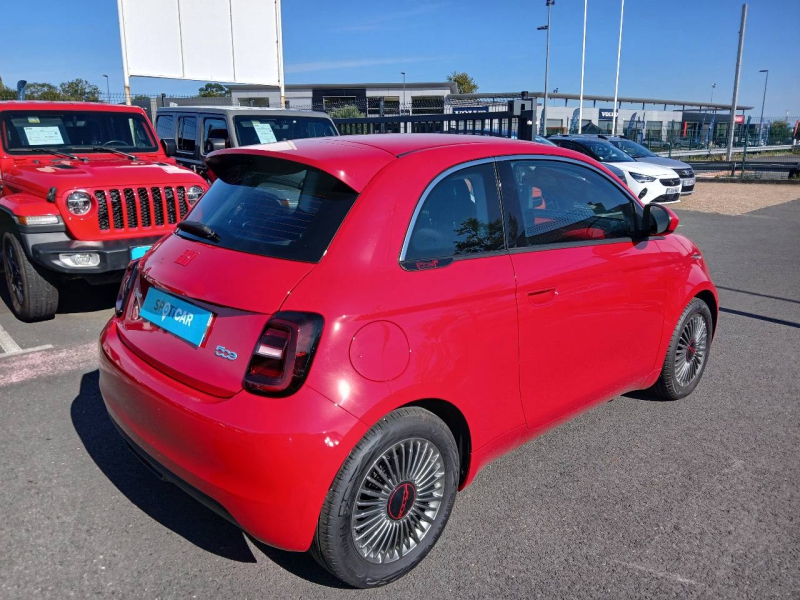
(390,500)
(688,352)
(33,298)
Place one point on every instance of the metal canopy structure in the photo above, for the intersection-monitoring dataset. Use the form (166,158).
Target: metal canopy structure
(609,99)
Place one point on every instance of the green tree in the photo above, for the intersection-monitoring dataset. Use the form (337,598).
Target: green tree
(349,111)
(42,91)
(212,90)
(465,83)
(6,93)
(779,132)
(80,90)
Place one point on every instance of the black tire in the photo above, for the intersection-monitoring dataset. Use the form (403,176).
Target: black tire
(672,384)
(33,297)
(335,544)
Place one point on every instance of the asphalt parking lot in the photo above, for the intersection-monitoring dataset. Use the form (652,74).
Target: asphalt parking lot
(635,499)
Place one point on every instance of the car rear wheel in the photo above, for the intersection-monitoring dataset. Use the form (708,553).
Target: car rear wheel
(390,500)
(33,297)
(688,352)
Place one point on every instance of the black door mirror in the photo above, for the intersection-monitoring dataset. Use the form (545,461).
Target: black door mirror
(169,146)
(658,220)
(215,144)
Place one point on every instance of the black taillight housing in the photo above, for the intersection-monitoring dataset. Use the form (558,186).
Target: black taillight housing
(126,286)
(283,354)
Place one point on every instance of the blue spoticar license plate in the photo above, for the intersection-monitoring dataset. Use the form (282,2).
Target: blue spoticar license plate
(181,318)
(138,251)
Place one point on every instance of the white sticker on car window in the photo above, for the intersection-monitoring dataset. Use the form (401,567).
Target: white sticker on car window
(43,136)
(264,133)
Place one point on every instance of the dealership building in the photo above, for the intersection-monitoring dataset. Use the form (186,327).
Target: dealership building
(649,118)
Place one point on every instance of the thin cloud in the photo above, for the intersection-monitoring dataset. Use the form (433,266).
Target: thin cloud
(391,20)
(330,65)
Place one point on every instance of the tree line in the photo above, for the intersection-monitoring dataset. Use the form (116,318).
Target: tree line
(78,90)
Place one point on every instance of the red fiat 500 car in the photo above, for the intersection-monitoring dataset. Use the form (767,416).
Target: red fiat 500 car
(344,331)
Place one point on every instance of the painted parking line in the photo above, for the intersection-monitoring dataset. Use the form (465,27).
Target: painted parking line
(7,343)
(11,348)
(31,364)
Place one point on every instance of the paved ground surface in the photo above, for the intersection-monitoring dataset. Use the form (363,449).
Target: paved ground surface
(635,499)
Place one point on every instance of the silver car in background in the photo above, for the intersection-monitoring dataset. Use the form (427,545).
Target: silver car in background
(642,154)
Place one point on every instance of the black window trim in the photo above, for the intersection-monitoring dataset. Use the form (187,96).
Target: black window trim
(208,117)
(186,153)
(638,208)
(429,188)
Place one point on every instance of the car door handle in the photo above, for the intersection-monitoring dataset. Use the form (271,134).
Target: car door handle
(539,297)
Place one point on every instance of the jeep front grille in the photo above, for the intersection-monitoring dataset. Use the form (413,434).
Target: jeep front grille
(126,209)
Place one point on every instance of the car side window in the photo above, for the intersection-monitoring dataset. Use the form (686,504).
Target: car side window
(164,124)
(187,134)
(215,128)
(460,216)
(552,202)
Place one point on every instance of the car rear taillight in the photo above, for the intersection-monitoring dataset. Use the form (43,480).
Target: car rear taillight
(283,354)
(126,286)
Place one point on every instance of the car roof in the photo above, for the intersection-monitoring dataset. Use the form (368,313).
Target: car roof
(62,105)
(356,159)
(252,110)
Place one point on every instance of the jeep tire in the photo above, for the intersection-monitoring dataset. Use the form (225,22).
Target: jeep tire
(33,297)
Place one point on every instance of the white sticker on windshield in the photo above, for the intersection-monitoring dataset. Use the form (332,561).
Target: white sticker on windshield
(43,136)
(264,133)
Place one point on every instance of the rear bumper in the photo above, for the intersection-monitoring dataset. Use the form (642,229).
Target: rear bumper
(45,249)
(264,463)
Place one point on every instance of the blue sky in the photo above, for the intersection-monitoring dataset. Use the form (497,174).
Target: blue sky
(671,49)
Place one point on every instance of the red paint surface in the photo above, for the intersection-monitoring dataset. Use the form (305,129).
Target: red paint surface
(516,342)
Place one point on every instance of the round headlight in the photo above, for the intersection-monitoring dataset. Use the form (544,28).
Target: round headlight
(79,203)
(193,194)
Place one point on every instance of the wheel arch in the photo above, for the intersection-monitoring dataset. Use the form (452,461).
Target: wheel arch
(710,299)
(457,424)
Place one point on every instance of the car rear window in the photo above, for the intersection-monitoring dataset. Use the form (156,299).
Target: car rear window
(272,207)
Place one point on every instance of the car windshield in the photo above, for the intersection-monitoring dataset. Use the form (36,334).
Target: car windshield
(605,152)
(632,149)
(265,129)
(272,207)
(33,131)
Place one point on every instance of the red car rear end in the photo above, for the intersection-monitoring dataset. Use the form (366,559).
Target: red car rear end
(344,331)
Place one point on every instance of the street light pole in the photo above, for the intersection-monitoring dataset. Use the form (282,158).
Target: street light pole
(108,89)
(763,100)
(403,73)
(543,124)
(732,130)
(616,82)
(713,85)
(583,65)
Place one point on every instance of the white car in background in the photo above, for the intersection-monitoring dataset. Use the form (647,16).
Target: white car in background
(642,154)
(650,182)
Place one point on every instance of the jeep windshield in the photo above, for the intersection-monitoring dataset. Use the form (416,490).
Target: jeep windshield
(265,129)
(68,131)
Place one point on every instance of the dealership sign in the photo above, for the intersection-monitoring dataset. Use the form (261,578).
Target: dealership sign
(231,41)
(738,119)
(607,114)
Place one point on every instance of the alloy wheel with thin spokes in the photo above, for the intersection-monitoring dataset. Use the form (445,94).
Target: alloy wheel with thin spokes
(691,349)
(390,500)
(398,501)
(688,352)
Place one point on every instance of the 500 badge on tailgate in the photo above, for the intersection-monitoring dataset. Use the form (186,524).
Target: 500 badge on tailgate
(185,320)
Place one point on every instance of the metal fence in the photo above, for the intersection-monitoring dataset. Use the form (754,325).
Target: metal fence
(761,151)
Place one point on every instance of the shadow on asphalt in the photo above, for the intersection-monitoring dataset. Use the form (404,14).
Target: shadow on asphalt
(74,296)
(164,502)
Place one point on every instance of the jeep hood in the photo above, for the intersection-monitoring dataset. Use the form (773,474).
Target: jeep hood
(98,172)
